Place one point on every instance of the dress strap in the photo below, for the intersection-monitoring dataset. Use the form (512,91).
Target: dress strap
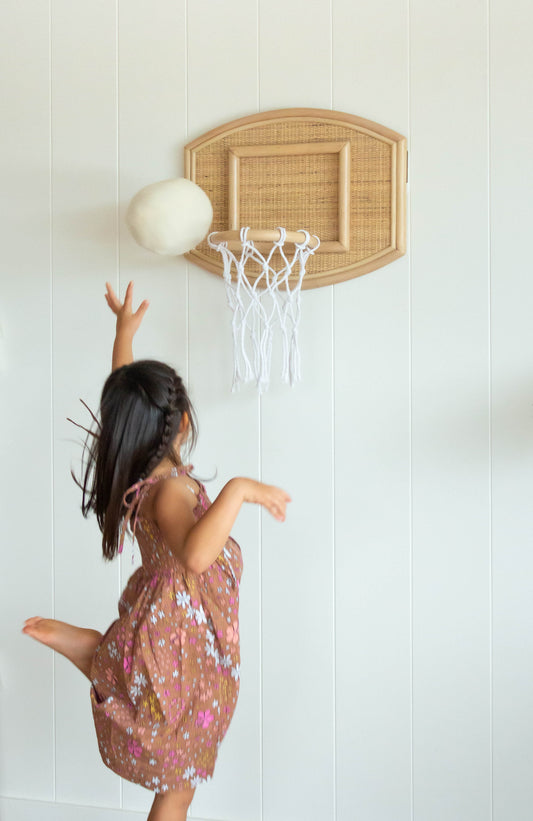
(134,496)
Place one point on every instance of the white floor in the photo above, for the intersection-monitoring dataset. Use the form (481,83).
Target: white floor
(17,809)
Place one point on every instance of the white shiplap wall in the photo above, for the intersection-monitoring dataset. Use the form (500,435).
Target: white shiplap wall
(387,626)
(511,173)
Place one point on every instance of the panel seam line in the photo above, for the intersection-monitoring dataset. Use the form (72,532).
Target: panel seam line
(52,404)
(490,420)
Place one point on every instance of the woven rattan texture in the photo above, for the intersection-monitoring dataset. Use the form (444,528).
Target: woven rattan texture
(301,191)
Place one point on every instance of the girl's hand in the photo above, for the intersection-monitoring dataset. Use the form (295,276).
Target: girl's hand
(127,321)
(127,324)
(274,499)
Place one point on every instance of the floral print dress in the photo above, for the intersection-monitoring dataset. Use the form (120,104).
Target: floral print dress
(165,676)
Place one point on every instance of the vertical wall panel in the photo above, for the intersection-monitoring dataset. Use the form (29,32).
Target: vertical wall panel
(296,437)
(152,131)
(294,54)
(222,70)
(372,460)
(373,546)
(222,63)
(26,712)
(371,61)
(297,582)
(512,403)
(84,256)
(451,513)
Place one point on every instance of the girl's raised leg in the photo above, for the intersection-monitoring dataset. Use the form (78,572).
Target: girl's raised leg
(172,806)
(77,644)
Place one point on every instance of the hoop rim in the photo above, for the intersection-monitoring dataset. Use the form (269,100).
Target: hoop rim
(265,235)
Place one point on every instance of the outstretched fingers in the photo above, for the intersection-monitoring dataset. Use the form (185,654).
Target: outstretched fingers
(112,299)
(126,317)
(276,502)
(141,310)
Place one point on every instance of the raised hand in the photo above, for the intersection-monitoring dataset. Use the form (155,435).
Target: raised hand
(128,321)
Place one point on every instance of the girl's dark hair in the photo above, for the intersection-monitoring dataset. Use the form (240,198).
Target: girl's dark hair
(141,408)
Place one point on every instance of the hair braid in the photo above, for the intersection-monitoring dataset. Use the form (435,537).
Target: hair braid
(170,424)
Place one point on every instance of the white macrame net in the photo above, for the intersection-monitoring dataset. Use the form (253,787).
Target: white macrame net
(259,308)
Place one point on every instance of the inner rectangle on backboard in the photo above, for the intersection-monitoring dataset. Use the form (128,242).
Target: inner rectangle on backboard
(296,186)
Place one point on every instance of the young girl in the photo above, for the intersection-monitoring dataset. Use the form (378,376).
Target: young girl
(165,676)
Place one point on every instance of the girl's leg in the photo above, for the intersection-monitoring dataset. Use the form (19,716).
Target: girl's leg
(172,806)
(75,643)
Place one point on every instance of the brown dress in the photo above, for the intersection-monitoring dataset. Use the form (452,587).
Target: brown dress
(165,676)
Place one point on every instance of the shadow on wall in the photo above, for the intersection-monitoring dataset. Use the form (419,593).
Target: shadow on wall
(91,230)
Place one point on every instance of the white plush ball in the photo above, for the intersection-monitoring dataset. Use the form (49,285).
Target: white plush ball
(170,217)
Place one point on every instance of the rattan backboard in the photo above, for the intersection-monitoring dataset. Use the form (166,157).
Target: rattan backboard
(340,177)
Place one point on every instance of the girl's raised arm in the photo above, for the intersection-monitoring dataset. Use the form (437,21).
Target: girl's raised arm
(127,324)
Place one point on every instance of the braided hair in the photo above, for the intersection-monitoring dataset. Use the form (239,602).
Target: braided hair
(141,408)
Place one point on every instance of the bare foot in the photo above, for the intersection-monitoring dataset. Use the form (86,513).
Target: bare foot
(75,643)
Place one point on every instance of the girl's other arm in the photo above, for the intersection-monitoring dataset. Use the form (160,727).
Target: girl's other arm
(127,324)
(198,545)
